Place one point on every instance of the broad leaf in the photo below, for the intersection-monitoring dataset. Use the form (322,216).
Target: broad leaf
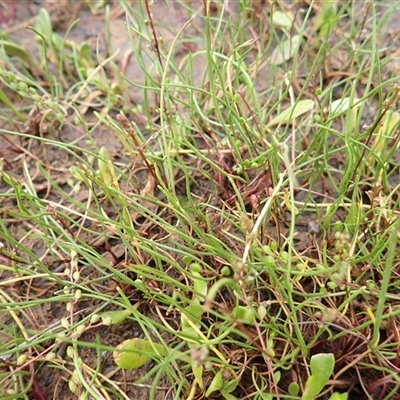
(322,366)
(285,50)
(134,353)
(300,108)
(216,384)
(340,106)
(281,19)
(115,317)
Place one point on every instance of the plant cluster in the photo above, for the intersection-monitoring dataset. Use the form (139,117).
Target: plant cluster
(235,236)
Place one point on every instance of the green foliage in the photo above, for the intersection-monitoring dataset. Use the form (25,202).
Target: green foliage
(115,317)
(134,353)
(321,366)
(232,172)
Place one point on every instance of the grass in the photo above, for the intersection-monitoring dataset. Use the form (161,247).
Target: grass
(241,220)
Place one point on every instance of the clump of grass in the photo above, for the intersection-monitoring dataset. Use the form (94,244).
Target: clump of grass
(237,234)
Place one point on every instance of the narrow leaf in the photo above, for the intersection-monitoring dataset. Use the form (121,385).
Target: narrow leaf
(198,375)
(326,18)
(103,165)
(18,51)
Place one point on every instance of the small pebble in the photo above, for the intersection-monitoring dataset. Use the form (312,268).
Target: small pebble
(313,227)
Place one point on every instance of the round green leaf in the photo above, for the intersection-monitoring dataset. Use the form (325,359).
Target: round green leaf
(133,353)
